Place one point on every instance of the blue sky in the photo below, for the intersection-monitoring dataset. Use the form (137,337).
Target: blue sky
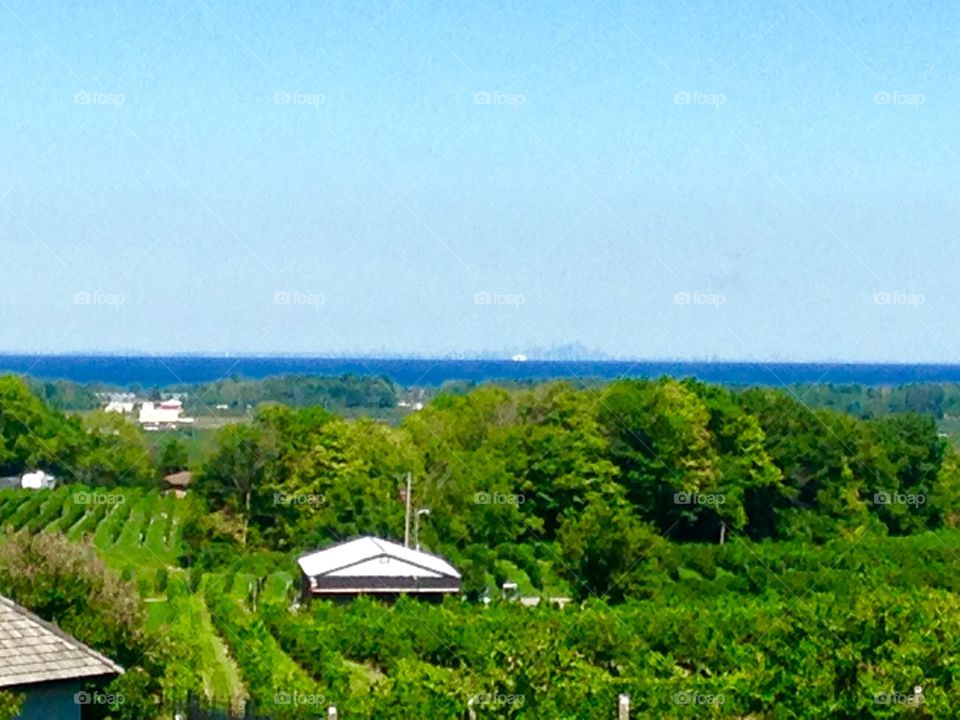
(740,180)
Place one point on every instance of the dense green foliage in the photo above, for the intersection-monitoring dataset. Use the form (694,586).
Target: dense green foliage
(729,553)
(581,473)
(101,449)
(935,399)
(340,392)
(343,392)
(58,579)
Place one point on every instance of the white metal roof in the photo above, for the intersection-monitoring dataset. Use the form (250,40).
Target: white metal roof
(374,557)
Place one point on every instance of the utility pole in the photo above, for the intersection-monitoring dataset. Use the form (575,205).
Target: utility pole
(623,707)
(406,524)
(723,532)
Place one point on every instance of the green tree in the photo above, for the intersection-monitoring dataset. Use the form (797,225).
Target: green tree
(603,549)
(113,452)
(32,436)
(235,474)
(172,456)
(659,436)
(68,584)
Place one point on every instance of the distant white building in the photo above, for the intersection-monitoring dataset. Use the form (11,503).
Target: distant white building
(373,566)
(118,406)
(38,480)
(165,414)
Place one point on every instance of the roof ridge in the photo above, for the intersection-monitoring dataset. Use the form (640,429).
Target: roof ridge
(376,541)
(374,547)
(61,634)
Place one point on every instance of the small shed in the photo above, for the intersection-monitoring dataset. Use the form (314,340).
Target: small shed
(47,666)
(373,566)
(178,483)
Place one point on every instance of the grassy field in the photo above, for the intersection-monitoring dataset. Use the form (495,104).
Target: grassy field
(138,534)
(235,636)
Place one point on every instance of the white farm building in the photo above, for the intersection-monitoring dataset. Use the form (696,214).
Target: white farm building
(373,566)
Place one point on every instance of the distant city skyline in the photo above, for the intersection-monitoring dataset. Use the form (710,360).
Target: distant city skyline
(749,181)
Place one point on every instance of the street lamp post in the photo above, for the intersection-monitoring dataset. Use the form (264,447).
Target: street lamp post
(416,526)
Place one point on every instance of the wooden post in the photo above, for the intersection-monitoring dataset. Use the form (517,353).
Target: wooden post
(624,708)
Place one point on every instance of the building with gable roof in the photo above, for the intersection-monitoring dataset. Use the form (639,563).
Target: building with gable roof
(47,666)
(373,566)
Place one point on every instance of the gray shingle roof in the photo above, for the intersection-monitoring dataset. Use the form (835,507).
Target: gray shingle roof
(34,651)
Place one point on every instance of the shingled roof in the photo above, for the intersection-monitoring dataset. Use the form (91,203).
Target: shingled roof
(179,479)
(34,651)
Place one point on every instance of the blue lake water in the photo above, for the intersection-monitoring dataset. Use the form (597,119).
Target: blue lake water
(160,371)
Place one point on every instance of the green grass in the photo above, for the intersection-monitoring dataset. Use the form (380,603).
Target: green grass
(10,501)
(263,664)
(73,513)
(951,427)
(160,613)
(130,541)
(111,526)
(28,506)
(131,528)
(156,533)
(51,509)
(89,523)
(219,674)
(279,586)
(241,589)
(138,534)
(199,440)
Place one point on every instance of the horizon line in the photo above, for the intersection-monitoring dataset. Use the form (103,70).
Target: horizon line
(465,357)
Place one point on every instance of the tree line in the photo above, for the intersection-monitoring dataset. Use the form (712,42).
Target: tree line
(591,478)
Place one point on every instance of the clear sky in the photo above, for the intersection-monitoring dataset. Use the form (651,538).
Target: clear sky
(741,180)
